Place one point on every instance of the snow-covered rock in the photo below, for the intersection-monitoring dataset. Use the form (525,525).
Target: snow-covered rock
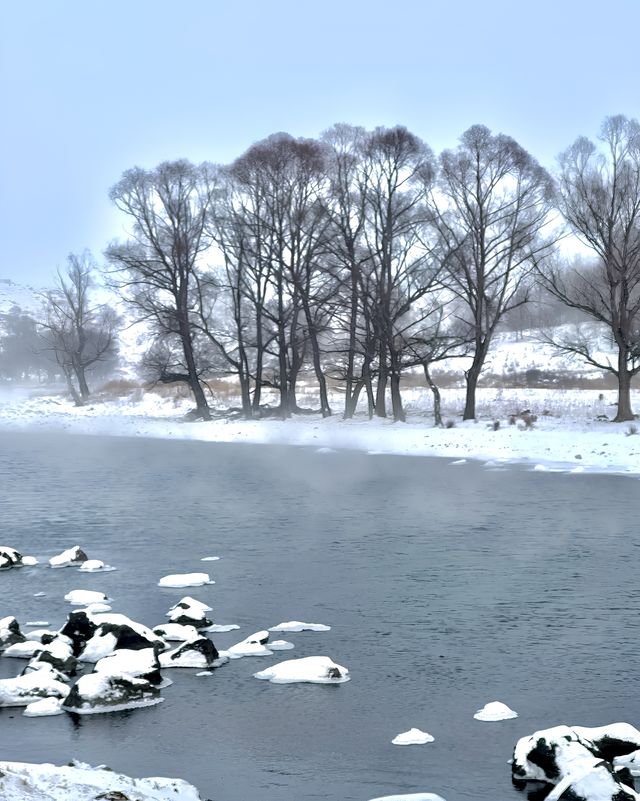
(298,625)
(97,635)
(32,686)
(413,737)
(43,708)
(143,664)
(178,580)
(314,669)
(83,597)
(58,653)
(10,632)
(197,653)
(9,557)
(578,761)
(23,650)
(106,692)
(281,645)
(72,556)
(20,781)
(254,645)
(176,632)
(494,711)
(190,612)
(95,566)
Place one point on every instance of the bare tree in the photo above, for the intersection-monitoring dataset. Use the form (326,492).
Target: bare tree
(282,179)
(492,203)
(157,269)
(600,199)
(400,270)
(76,333)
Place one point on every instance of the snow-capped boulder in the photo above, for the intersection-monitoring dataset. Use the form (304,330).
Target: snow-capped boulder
(9,557)
(494,711)
(95,566)
(179,580)
(84,597)
(298,625)
(190,612)
(23,650)
(314,669)
(578,761)
(254,645)
(58,654)
(72,556)
(176,632)
(46,667)
(97,635)
(32,686)
(198,653)
(102,692)
(412,737)
(44,708)
(10,632)
(20,780)
(80,628)
(143,664)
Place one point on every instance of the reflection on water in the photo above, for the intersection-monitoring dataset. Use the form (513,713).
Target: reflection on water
(446,587)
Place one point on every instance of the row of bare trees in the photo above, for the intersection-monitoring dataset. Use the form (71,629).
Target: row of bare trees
(358,256)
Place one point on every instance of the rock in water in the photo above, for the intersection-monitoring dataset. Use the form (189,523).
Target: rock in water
(99,692)
(581,763)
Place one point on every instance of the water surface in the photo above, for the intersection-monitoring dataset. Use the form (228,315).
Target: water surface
(446,587)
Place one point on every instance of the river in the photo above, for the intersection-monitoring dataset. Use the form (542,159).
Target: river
(445,586)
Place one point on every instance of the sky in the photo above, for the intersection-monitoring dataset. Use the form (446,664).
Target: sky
(91,88)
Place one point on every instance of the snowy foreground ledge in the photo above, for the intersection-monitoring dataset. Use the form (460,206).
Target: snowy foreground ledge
(567,437)
(22,781)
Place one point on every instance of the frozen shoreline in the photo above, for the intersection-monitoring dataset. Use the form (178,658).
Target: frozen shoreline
(567,437)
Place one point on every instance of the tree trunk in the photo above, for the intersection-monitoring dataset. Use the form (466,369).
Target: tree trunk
(349,402)
(82,382)
(257,390)
(352,402)
(317,365)
(74,392)
(396,399)
(437,413)
(624,411)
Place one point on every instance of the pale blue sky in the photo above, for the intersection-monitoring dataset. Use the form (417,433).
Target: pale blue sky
(91,88)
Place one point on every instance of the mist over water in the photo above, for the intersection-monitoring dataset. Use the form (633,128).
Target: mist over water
(445,586)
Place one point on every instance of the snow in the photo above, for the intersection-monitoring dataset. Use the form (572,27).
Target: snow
(124,660)
(37,684)
(72,556)
(176,632)
(44,708)
(566,434)
(253,645)
(189,603)
(413,737)
(494,711)
(210,559)
(21,781)
(313,669)
(84,597)
(410,797)
(95,566)
(298,625)
(185,580)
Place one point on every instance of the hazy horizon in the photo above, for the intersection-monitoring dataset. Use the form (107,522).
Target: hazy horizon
(92,90)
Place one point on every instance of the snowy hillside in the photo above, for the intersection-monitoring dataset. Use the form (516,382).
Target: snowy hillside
(25,297)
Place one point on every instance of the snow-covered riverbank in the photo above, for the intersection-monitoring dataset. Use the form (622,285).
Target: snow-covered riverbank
(567,433)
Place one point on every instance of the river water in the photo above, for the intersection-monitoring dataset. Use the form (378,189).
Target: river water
(445,586)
